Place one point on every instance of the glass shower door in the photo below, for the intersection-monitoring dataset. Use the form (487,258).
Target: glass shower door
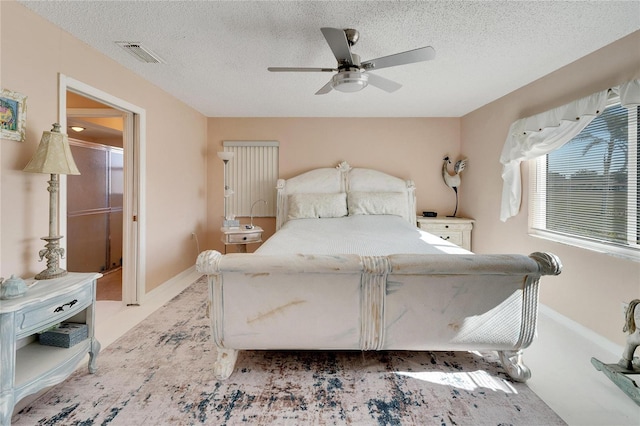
(94,208)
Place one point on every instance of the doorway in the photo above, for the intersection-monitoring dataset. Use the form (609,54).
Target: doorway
(126,168)
(94,210)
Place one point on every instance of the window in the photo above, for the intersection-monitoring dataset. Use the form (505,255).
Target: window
(253,175)
(585,193)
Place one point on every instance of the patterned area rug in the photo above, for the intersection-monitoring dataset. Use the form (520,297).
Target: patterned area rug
(160,373)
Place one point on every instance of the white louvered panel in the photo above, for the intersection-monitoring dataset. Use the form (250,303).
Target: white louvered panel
(253,173)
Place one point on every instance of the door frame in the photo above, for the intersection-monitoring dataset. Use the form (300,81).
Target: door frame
(134,202)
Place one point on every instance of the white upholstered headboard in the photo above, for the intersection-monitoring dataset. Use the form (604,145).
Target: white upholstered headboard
(344,178)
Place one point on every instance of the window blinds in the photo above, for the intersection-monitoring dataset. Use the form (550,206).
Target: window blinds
(252,175)
(589,187)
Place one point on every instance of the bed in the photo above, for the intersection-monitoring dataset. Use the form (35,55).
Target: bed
(348,269)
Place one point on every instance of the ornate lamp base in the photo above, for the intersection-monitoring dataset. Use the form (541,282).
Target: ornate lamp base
(48,274)
(52,252)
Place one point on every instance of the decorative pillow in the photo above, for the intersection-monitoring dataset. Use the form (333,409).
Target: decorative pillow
(393,203)
(304,206)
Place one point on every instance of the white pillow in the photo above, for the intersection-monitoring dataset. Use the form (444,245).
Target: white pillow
(393,203)
(304,206)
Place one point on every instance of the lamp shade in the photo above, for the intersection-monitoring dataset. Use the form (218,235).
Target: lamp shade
(53,155)
(225,155)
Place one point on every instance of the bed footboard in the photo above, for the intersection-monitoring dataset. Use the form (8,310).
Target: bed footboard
(396,302)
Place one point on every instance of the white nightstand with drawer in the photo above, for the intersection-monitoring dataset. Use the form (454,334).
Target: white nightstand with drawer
(453,229)
(28,366)
(240,237)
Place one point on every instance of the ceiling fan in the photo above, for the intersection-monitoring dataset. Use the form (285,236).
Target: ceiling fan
(353,75)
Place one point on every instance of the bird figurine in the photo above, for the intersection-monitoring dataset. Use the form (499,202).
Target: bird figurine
(453,180)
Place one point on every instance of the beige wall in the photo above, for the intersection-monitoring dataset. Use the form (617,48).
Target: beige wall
(34,52)
(411,148)
(592,286)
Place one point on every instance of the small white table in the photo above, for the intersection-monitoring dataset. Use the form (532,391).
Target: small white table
(453,229)
(27,366)
(240,237)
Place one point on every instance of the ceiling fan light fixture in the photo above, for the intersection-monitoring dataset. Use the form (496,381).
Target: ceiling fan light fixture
(352,76)
(349,82)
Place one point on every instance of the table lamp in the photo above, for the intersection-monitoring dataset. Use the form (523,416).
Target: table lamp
(53,157)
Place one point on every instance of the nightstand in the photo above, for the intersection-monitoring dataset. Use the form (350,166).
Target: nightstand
(453,229)
(240,237)
(27,365)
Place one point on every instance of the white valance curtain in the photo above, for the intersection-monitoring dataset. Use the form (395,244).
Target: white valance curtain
(542,133)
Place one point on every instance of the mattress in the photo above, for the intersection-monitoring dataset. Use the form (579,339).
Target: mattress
(366,235)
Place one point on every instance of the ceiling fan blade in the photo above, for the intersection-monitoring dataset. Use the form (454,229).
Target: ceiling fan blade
(292,69)
(339,45)
(383,83)
(416,55)
(325,89)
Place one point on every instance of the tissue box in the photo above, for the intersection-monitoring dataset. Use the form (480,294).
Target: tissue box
(230,223)
(66,335)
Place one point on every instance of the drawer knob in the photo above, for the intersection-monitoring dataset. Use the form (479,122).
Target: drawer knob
(445,238)
(244,238)
(61,307)
(446,226)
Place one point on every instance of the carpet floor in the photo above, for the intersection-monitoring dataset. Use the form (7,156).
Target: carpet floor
(160,373)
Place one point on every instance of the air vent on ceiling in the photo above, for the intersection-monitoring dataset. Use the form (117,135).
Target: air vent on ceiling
(142,53)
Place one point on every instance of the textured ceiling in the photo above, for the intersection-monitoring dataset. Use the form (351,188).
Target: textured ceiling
(217,53)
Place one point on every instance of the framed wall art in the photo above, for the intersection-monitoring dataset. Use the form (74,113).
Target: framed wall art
(13,115)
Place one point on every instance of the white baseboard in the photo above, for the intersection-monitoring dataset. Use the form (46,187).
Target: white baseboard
(582,331)
(173,286)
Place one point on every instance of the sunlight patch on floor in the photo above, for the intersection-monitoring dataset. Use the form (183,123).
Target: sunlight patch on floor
(469,381)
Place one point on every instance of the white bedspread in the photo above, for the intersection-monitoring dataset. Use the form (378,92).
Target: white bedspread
(366,235)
